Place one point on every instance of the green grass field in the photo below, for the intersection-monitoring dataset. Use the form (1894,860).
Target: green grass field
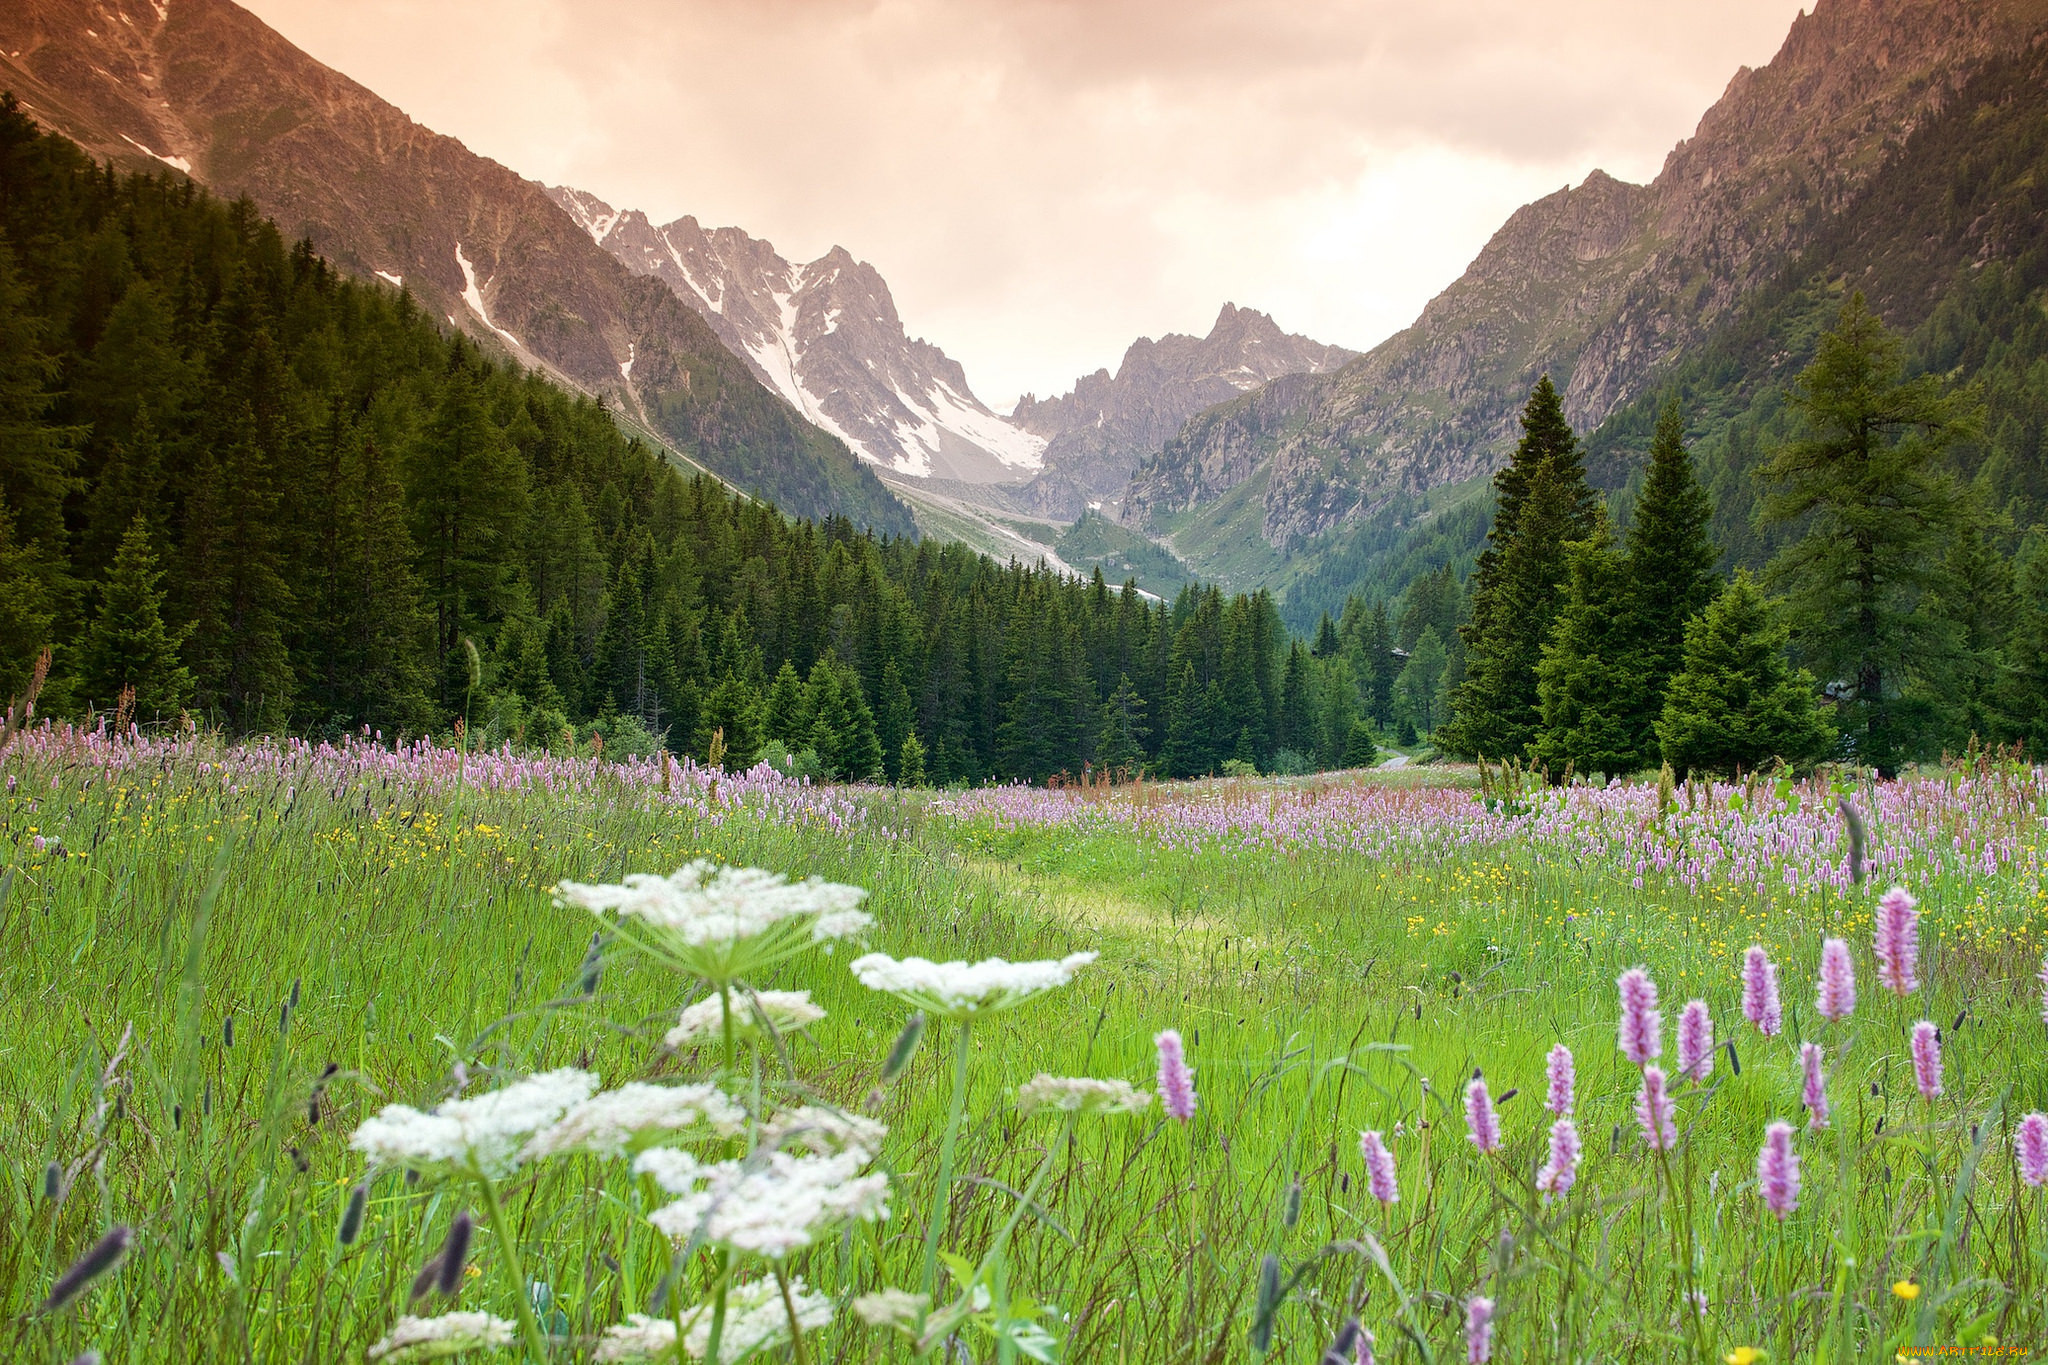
(155,1072)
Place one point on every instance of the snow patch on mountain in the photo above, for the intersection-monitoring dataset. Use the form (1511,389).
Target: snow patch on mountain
(177,163)
(473,295)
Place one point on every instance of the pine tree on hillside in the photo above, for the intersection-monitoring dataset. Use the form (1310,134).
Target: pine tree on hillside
(732,711)
(1297,703)
(129,645)
(1736,705)
(1185,751)
(37,459)
(1377,666)
(1978,603)
(1419,688)
(1120,743)
(1670,557)
(1867,485)
(1326,637)
(895,718)
(1544,505)
(1596,683)
(25,613)
(787,716)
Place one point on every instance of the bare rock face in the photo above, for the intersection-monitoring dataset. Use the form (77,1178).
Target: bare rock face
(1100,432)
(206,87)
(1600,284)
(826,336)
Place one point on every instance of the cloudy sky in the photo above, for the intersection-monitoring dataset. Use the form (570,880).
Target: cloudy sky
(1041,181)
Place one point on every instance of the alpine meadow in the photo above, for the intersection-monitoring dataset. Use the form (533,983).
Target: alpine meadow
(572,795)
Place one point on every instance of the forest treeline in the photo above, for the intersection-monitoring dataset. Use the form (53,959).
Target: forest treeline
(239,487)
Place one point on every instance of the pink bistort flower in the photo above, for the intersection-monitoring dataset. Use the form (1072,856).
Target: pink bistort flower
(1837,997)
(1814,1092)
(1777,1170)
(1760,991)
(1562,1075)
(1481,1122)
(1896,939)
(1695,1041)
(1653,1111)
(2030,1149)
(1927,1058)
(1379,1168)
(1642,1027)
(1176,1077)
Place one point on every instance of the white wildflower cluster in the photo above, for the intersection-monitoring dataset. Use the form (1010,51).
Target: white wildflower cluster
(448,1335)
(1081,1095)
(824,1131)
(483,1135)
(612,1123)
(638,1338)
(756,1320)
(786,1012)
(893,1308)
(964,990)
(723,922)
(771,1208)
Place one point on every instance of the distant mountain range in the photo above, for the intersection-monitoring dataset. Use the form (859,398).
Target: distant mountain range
(1259,458)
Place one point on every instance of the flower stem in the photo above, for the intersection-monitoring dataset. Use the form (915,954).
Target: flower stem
(796,1329)
(725,1014)
(713,1347)
(508,1247)
(944,1192)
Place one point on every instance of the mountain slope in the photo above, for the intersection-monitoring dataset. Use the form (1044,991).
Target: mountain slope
(206,87)
(1100,432)
(826,337)
(1599,285)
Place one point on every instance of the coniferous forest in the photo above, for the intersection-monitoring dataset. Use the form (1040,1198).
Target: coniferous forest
(240,487)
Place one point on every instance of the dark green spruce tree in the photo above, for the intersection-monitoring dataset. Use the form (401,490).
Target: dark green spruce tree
(1736,705)
(1544,505)
(129,646)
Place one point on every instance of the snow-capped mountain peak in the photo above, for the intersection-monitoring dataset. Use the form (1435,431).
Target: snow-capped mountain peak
(826,336)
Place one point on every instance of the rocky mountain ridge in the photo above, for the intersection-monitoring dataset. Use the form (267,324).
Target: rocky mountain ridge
(827,337)
(1598,285)
(205,87)
(1099,432)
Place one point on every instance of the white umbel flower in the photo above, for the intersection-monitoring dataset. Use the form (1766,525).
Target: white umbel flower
(770,1208)
(787,1012)
(448,1335)
(638,1338)
(1081,1095)
(755,1319)
(722,923)
(893,1308)
(824,1131)
(612,1123)
(482,1135)
(964,990)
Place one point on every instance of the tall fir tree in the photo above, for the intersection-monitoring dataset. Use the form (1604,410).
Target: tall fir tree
(1418,691)
(1120,742)
(1866,484)
(129,646)
(1544,504)
(1670,555)
(1736,705)
(1595,681)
